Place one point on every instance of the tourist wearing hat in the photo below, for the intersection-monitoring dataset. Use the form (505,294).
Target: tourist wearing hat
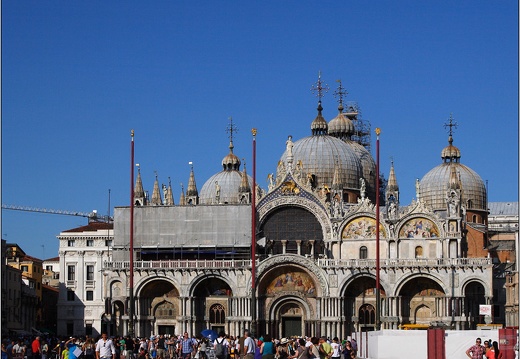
(282,352)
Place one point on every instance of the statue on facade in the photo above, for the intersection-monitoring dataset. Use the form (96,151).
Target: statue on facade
(217,192)
(363,188)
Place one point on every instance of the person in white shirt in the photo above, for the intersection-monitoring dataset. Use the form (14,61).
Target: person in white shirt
(336,348)
(249,345)
(105,348)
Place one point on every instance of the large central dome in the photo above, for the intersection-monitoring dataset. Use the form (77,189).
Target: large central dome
(319,156)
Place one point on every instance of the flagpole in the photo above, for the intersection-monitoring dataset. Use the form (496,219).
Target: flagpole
(253,240)
(131,323)
(378,284)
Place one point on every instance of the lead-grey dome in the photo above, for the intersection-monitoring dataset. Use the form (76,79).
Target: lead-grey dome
(319,155)
(434,185)
(228,182)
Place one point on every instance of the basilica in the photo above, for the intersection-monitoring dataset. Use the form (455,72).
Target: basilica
(318,228)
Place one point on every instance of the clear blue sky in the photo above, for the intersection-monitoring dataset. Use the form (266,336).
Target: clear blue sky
(78,76)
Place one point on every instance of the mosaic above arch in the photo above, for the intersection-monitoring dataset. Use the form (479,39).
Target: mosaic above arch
(362,227)
(419,228)
(292,281)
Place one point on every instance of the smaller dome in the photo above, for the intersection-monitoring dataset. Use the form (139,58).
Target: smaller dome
(227,184)
(341,126)
(231,161)
(450,153)
(319,125)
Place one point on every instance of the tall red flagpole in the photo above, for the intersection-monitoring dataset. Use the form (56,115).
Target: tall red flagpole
(131,274)
(253,240)
(378,284)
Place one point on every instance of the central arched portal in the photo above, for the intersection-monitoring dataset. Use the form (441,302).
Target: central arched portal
(287,298)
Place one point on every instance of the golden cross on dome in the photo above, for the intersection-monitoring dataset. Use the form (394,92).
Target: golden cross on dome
(319,87)
(452,124)
(340,93)
(231,129)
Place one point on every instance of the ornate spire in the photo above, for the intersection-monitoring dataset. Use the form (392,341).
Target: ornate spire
(192,195)
(182,200)
(156,194)
(319,125)
(168,196)
(336,181)
(392,192)
(455,182)
(139,196)
(392,180)
(244,183)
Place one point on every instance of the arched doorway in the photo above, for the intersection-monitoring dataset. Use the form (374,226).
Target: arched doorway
(157,300)
(474,296)
(421,301)
(286,299)
(211,304)
(360,304)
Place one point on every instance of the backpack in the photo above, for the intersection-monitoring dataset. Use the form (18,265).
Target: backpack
(219,349)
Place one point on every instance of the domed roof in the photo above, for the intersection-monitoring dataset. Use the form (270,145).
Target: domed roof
(450,151)
(368,166)
(341,126)
(229,182)
(434,185)
(319,155)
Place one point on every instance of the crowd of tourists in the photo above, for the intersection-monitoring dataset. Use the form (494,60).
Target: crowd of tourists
(165,346)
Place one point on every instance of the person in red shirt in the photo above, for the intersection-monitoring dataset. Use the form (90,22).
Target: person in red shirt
(36,348)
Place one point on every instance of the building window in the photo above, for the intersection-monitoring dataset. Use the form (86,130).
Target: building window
(90,272)
(108,243)
(88,329)
(38,286)
(90,243)
(217,314)
(90,295)
(71,242)
(363,253)
(24,268)
(71,273)
(49,268)
(418,252)
(70,295)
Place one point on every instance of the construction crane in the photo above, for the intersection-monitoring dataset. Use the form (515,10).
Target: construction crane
(92,216)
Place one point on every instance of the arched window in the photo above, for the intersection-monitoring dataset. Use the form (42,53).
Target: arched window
(474,218)
(363,252)
(418,252)
(367,315)
(217,314)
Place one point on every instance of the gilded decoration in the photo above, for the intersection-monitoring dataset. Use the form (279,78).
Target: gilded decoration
(419,228)
(294,281)
(363,227)
(287,261)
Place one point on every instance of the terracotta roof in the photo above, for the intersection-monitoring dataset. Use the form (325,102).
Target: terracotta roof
(31,258)
(92,227)
(53,259)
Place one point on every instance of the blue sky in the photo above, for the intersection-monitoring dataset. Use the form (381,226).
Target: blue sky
(78,76)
